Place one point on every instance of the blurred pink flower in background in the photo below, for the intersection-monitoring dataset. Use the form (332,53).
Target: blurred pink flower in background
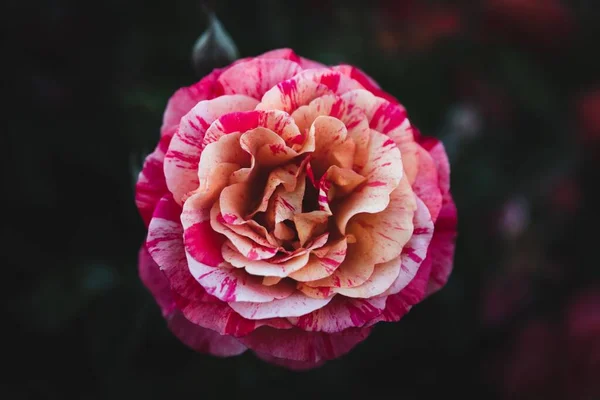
(411,26)
(541,23)
(588,112)
(554,357)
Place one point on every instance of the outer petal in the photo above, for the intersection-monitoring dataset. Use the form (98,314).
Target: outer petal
(443,243)
(254,77)
(184,99)
(382,278)
(399,304)
(165,244)
(194,336)
(426,184)
(440,158)
(222,319)
(202,339)
(151,185)
(229,284)
(288,54)
(304,87)
(155,282)
(293,306)
(415,251)
(365,80)
(340,314)
(298,345)
(183,156)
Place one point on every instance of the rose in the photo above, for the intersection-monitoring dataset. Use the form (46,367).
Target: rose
(290,207)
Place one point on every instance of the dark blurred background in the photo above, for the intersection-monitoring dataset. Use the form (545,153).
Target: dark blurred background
(512,87)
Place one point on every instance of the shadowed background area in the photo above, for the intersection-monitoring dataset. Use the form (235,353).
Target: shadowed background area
(510,86)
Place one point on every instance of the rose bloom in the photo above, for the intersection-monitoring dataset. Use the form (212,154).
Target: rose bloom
(290,207)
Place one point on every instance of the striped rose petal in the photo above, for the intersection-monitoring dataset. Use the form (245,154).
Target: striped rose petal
(181,160)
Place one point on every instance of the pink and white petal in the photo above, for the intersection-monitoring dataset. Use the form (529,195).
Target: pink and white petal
(410,159)
(356,268)
(391,229)
(340,314)
(353,118)
(398,305)
(254,77)
(426,185)
(277,121)
(293,306)
(282,54)
(289,54)
(365,80)
(390,119)
(263,268)
(219,317)
(316,243)
(304,87)
(165,245)
(310,224)
(438,154)
(218,163)
(255,232)
(151,186)
(183,156)
(156,282)
(345,180)
(415,251)
(383,173)
(184,99)
(247,247)
(271,280)
(293,365)
(199,237)
(325,193)
(234,202)
(305,63)
(315,292)
(229,284)
(298,345)
(382,278)
(331,145)
(202,339)
(286,176)
(267,148)
(285,205)
(323,262)
(442,246)
(383,115)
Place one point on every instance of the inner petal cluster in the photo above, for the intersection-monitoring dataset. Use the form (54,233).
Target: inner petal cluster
(314,202)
